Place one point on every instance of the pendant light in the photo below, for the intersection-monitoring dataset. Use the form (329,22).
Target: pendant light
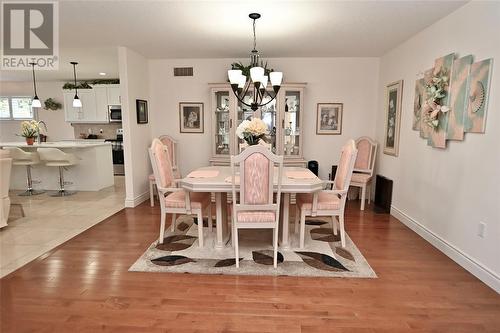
(35,103)
(257,80)
(77,103)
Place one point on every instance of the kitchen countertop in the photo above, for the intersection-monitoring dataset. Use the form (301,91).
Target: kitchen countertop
(58,144)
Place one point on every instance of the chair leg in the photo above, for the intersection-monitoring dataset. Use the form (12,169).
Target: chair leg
(334,225)
(162,227)
(302,228)
(363,196)
(342,230)
(297,218)
(275,245)
(369,191)
(151,193)
(200,228)
(209,213)
(172,224)
(236,247)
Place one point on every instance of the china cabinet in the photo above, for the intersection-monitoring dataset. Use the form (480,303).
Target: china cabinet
(283,117)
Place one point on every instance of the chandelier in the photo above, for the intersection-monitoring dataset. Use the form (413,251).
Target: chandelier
(257,80)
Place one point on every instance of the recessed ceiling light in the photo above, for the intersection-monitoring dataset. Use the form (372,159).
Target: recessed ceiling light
(102,73)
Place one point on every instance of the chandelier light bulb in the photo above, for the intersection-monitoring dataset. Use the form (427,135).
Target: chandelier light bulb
(234,75)
(276,78)
(256,73)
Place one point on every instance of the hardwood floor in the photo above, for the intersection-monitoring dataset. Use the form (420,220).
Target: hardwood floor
(84,285)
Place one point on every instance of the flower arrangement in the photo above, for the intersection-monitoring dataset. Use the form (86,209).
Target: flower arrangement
(52,104)
(30,129)
(252,130)
(435,90)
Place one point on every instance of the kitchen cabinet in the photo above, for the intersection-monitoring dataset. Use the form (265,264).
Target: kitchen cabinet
(114,97)
(95,103)
(283,117)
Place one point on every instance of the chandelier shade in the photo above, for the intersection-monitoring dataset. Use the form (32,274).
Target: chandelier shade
(256,81)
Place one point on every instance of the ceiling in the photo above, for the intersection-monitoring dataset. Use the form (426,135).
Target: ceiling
(90,31)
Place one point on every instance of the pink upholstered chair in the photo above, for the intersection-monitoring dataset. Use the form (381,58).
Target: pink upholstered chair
(363,168)
(256,206)
(172,149)
(174,200)
(328,202)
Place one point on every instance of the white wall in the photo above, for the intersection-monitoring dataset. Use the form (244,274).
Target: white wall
(57,128)
(352,81)
(444,194)
(133,69)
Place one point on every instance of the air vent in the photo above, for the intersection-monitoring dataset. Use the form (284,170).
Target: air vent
(183,71)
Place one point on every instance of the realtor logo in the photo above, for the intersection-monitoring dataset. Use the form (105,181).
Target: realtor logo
(30,33)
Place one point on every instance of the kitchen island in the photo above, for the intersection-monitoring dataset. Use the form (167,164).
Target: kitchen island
(93,172)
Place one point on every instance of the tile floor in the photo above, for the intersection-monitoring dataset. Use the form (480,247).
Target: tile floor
(50,221)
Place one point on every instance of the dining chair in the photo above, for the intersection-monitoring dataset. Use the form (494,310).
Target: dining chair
(175,200)
(328,202)
(256,207)
(363,167)
(171,144)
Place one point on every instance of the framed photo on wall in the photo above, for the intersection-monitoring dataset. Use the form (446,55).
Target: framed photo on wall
(329,118)
(394,94)
(141,107)
(191,117)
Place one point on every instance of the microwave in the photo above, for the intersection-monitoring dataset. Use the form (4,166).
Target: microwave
(115,113)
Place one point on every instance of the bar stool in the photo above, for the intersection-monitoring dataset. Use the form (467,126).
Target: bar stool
(54,157)
(28,159)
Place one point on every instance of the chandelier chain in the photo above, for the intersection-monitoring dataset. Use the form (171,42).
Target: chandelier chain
(254,38)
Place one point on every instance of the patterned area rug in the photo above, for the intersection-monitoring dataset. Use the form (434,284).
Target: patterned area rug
(322,256)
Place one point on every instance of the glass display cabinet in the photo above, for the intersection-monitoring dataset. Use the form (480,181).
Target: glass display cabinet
(283,117)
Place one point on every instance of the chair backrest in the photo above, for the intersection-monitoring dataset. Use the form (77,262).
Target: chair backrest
(256,165)
(161,163)
(346,166)
(171,144)
(17,154)
(53,154)
(244,145)
(367,152)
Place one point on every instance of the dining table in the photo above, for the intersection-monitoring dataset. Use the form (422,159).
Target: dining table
(218,180)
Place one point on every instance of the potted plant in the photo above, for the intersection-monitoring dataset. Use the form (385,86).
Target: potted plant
(30,130)
(252,130)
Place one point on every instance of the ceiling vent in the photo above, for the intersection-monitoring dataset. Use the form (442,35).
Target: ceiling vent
(183,71)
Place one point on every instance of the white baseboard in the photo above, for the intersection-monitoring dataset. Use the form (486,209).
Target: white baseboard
(131,203)
(477,269)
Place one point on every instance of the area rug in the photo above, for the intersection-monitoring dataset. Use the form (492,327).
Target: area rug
(322,255)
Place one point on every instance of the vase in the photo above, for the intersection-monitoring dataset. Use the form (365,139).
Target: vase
(30,141)
(252,140)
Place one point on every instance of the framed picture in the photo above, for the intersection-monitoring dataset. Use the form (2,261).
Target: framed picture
(141,107)
(329,118)
(394,93)
(191,117)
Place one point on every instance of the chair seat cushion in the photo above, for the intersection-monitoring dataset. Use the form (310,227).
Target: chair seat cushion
(360,178)
(326,201)
(256,216)
(178,200)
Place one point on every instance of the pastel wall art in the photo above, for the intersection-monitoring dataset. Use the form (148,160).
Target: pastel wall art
(394,95)
(454,99)
(459,88)
(480,75)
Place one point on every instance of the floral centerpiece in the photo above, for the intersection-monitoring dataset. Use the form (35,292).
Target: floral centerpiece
(252,130)
(436,90)
(30,130)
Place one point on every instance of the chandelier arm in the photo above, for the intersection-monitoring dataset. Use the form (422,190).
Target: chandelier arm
(272,98)
(247,86)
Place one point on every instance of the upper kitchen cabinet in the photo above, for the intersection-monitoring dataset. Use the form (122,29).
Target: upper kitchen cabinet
(95,103)
(114,97)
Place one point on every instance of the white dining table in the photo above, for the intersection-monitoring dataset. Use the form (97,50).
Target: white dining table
(221,185)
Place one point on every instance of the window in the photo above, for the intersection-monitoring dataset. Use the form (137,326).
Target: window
(13,108)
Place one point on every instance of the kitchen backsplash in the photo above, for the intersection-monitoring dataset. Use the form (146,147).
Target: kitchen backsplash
(108,130)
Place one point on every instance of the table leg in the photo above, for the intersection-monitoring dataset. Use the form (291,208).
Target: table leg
(221,219)
(285,244)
